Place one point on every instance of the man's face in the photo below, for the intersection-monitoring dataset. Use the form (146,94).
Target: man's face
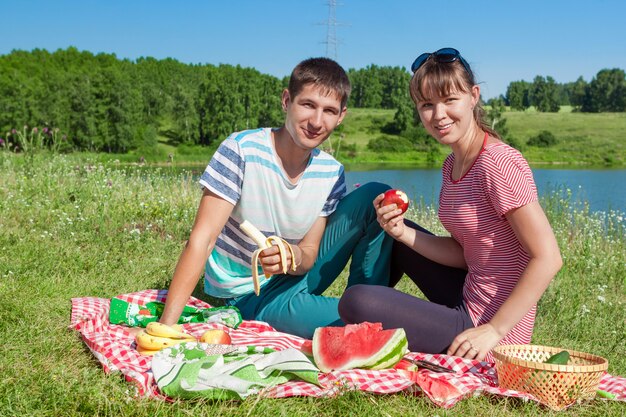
(311,115)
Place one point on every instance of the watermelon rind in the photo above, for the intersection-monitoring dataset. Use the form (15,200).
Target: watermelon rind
(390,354)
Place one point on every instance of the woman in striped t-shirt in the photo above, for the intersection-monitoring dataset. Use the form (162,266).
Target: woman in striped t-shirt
(484,280)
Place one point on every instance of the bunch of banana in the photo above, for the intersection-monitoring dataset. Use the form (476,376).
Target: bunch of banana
(264,243)
(157,336)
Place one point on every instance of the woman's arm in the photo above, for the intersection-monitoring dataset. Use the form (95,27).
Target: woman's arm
(211,217)
(537,238)
(441,249)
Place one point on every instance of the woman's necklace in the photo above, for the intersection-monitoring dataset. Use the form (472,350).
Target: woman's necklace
(469,156)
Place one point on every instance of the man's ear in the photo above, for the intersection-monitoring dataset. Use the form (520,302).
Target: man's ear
(343,113)
(285,99)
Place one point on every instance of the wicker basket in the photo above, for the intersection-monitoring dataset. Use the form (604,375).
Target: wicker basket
(521,368)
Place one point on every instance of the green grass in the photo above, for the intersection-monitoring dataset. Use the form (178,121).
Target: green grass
(583,138)
(73,227)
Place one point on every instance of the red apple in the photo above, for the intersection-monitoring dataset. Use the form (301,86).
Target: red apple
(215,337)
(396,197)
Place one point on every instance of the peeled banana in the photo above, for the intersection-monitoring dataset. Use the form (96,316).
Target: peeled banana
(264,243)
(157,336)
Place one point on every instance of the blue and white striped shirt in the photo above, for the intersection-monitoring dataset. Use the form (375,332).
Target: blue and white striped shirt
(246,172)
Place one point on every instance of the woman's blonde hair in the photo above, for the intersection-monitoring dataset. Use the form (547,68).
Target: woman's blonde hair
(444,78)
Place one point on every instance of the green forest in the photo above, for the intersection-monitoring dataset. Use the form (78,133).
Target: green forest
(71,100)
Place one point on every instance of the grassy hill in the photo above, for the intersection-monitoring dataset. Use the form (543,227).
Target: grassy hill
(583,140)
(589,139)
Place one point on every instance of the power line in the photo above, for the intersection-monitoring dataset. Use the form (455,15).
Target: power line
(331,30)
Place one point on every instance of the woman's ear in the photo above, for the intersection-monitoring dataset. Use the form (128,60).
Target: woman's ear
(475,95)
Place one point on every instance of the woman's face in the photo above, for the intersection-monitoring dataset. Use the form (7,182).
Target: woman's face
(448,118)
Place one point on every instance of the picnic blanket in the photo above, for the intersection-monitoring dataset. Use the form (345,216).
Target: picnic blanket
(199,370)
(114,348)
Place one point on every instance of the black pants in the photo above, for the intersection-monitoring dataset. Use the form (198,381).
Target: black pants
(431,325)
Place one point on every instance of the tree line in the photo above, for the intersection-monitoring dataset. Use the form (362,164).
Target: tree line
(78,100)
(105,104)
(606,92)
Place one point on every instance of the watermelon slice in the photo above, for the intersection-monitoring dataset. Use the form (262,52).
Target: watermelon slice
(307,348)
(364,346)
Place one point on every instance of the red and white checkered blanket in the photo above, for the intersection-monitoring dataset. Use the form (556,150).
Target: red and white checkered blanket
(113,346)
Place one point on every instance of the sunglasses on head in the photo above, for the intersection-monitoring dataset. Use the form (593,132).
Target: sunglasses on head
(444,55)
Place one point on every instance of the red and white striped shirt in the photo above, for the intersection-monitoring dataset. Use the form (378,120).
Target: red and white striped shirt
(472,209)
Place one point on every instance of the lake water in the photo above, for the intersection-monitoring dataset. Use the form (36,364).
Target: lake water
(604,190)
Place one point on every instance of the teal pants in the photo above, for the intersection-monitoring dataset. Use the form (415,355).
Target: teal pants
(295,304)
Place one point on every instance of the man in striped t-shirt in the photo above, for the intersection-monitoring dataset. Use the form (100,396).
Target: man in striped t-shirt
(278,180)
(484,280)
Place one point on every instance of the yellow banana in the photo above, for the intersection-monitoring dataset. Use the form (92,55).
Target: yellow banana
(264,243)
(146,352)
(147,341)
(163,330)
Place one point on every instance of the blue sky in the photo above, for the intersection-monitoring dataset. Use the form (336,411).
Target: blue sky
(503,40)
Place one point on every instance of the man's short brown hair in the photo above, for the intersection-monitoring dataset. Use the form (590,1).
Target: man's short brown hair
(323,72)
